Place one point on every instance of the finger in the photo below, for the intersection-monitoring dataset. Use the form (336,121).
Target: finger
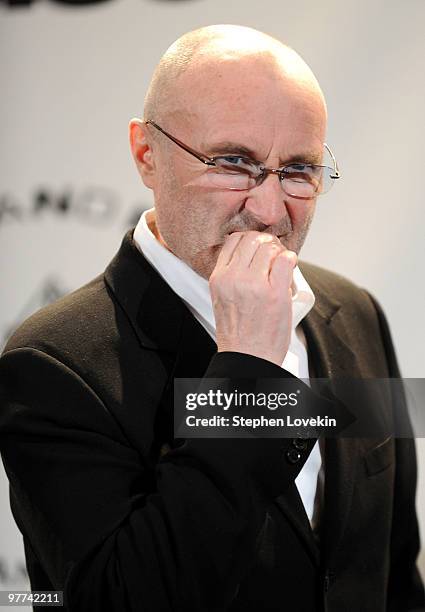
(247,247)
(262,261)
(282,268)
(229,246)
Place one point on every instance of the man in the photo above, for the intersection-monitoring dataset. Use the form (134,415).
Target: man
(114,511)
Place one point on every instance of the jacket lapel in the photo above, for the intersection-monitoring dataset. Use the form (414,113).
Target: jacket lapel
(155,312)
(332,358)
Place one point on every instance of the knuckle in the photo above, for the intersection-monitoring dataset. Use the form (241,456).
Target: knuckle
(285,257)
(264,238)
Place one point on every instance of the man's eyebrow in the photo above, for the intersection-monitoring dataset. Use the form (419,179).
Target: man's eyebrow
(226,147)
(222,148)
(309,158)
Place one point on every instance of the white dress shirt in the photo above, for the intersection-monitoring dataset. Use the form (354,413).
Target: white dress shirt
(194,291)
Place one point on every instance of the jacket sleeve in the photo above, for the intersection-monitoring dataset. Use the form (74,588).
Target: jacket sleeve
(405,587)
(108,531)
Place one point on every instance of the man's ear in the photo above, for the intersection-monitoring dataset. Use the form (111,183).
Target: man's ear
(142,151)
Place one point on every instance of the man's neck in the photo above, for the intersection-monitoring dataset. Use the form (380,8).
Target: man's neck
(151,221)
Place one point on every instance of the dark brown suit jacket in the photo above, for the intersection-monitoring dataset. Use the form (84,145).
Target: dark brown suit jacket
(86,407)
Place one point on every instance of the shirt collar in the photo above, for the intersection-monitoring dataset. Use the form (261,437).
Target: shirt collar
(192,288)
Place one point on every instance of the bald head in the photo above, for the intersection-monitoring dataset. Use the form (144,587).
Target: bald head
(198,60)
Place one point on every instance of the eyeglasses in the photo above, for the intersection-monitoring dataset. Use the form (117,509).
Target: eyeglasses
(236,172)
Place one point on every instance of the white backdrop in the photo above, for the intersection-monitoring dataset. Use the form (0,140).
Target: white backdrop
(73,76)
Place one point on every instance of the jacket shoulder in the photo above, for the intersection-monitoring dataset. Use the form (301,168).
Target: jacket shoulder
(330,283)
(70,321)
(360,318)
(331,288)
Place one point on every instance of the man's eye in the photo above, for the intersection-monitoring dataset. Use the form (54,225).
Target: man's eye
(303,173)
(297,167)
(235,160)
(236,164)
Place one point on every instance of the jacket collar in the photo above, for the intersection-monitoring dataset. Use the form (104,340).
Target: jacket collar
(156,313)
(332,358)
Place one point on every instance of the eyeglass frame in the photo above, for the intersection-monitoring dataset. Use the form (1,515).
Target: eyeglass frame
(210,161)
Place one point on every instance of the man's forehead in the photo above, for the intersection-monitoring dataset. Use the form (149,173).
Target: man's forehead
(297,134)
(257,98)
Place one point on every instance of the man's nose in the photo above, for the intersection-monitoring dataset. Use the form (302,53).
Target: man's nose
(267,201)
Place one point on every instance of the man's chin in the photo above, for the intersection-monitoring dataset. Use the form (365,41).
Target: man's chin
(204,263)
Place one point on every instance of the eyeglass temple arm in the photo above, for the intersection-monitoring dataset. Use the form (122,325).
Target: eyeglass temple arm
(179,143)
(337,173)
(210,162)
